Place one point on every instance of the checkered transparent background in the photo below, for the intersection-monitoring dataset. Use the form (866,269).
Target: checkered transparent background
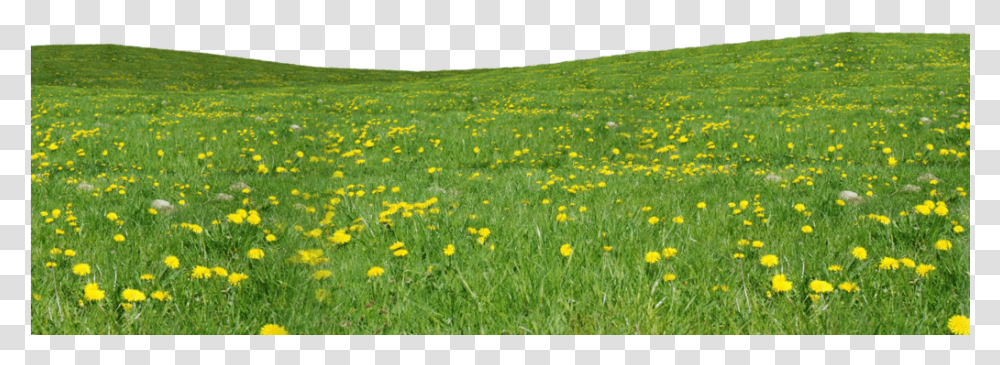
(443,34)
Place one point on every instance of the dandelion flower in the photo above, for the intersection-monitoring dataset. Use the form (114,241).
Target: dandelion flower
(112,216)
(220,271)
(888,263)
(322,274)
(234,218)
(400,253)
(449,250)
(375,271)
(69,253)
(133,295)
(607,248)
(92,293)
(769,260)
(81,269)
(924,269)
(396,246)
(678,220)
(172,262)
(119,238)
(253,219)
(848,287)
(236,278)
(340,237)
(757,244)
(669,252)
(270,238)
(160,295)
(272,329)
(652,257)
(255,254)
(959,325)
(147,277)
(943,245)
(738,255)
(820,286)
(908,263)
(201,272)
(799,207)
(669,277)
(860,253)
(561,217)
(807,229)
(654,220)
(701,205)
(834,268)
(958,229)
(780,284)
(566,250)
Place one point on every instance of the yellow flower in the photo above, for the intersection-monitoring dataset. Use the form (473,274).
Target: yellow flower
(172,262)
(236,278)
(738,255)
(860,253)
(273,329)
(322,274)
(375,271)
(339,237)
(654,220)
(253,219)
(701,205)
(888,263)
(820,286)
(201,272)
(807,229)
(147,277)
(769,260)
(958,229)
(943,245)
(51,264)
(270,238)
(566,250)
(908,263)
(400,253)
(112,216)
(92,293)
(81,269)
(234,218)
(924,269)
(119,238)
(780,284)
(561,217)
(133,295)
(669,277)
(799,207)
(758,244)
(669,252)
(449,250)
(255,254)
(220,271)
(160,295)
(396,246)
(678,219)
(848,287)
(959,325)
(607,248)
(652,257)
(69,253)
(834,268)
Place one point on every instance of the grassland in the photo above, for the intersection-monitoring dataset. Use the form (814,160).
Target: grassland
(725,161)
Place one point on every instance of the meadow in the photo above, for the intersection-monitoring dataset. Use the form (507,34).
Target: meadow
(809,185)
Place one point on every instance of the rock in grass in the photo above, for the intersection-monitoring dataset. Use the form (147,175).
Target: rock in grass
(611,125)
(239,186)
(84,187)
(574,115)
(223,197)
(772,178)
(911,188)
(162,206)
(295,127)
(851,197)
(927,177)
(926,120)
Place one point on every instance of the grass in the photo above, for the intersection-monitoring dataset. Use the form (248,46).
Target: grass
(425,158)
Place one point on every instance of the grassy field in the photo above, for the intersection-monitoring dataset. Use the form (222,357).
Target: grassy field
(690,191)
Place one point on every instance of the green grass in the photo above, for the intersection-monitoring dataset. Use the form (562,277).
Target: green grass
(693,125)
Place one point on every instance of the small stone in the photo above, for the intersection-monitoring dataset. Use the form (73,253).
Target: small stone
(786,95)
(84,187)
(295,127)
(300,206)
(259,119)
(631,96)
(574,115)
(888,111)
(953,116)
(223,197)
(961,110)
(611,125)
(163,206)
(927,177)
(772,178)
(475,98)
(925,120)
(239,186)
(941,93)
(851,197)
(815,63)
(911,188)
(320,101)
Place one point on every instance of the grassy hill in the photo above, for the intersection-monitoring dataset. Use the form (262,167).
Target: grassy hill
(654,192)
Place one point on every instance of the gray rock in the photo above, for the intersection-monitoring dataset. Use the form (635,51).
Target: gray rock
(295,127)
(84,187)
(163,206)
(772,178)
(239,186)
(927,177)
(611,125)
(223,197)
(851,197)
(911,188)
